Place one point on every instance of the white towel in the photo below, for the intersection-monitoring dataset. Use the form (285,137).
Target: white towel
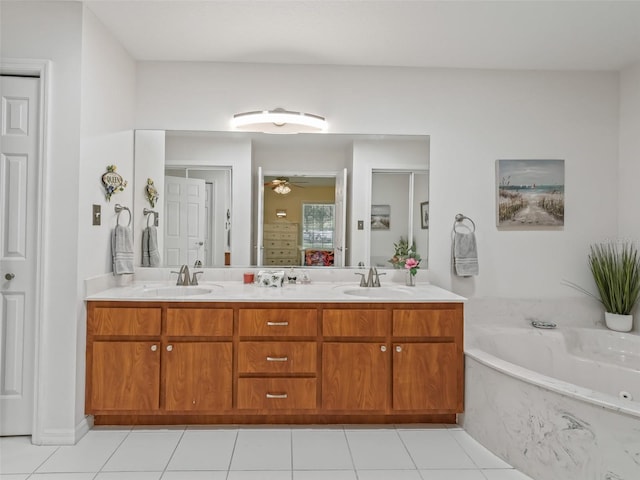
(121,250)
(465,254)
(150,253)
(154,254)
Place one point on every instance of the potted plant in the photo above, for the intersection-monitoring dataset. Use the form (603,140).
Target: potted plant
(616,271)
(406,257)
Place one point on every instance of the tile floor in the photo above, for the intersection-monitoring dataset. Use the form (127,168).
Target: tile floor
(260,453)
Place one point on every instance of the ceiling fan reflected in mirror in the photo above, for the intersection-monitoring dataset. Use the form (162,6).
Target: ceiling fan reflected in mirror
(282,185)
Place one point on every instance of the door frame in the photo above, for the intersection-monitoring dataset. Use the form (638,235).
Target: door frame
(41,69)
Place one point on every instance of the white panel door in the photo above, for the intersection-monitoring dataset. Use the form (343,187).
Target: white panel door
(184,234)
(18,233)
(341,220)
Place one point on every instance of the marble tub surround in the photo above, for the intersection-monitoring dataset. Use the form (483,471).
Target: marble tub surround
(548,401)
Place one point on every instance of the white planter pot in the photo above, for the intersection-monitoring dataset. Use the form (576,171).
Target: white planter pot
(617,322)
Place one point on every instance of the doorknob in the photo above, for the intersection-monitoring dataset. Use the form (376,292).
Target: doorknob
(10,276)
(200,243)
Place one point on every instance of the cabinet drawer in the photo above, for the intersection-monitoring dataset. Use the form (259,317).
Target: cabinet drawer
(289,244)
(288,261)
(281,252)
(200,322)
(280,227)
(277,357)
(283,322)
(124,321)
(281,236)
(427,323)
(277,393)
(355,323)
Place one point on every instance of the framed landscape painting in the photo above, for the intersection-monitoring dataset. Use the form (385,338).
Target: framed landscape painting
(530,193)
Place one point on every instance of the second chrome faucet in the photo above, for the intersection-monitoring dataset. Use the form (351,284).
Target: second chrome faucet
(184,277)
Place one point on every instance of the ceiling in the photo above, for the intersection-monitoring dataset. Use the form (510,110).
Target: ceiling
(516,34)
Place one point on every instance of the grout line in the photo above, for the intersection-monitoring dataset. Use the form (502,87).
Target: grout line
(406,449)
(353,463)
(233,451)
(174,451)
(114,452)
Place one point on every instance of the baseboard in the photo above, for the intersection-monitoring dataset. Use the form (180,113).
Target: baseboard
(64,436)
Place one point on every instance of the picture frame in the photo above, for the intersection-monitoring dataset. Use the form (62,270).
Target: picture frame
(424,215)
(380,217)
(530,194)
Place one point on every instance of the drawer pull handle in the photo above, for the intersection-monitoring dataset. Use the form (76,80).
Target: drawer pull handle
(276,395)
(277,359)
(277,324)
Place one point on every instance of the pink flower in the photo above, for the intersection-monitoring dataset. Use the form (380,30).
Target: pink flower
(411,263)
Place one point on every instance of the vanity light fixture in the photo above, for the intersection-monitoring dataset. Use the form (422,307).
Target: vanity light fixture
(282,189)
(279,121)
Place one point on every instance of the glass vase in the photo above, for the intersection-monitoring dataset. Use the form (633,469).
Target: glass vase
(410,279)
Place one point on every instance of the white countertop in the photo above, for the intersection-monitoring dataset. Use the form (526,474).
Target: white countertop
(235,291)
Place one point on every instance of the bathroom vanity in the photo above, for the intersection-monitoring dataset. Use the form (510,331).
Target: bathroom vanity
(276,359)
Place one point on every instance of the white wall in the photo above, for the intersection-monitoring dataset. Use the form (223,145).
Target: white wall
(106,138)
(629,161)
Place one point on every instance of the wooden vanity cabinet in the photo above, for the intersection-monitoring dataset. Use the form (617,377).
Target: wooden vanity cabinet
(154,359)
(263,362)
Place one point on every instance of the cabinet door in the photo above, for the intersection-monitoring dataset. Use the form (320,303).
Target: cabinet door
(425,377)
(125,376)
(355,376)
(198,376)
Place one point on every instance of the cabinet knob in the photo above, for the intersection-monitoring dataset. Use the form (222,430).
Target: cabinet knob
(169,348)
(383,348)
(154,348)
(398,348)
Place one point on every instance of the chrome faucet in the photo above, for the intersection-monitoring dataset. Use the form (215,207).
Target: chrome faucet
(373,279)
(183,277)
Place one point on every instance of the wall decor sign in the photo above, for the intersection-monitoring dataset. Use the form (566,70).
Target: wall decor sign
(530,193)
(380,217)
(112,182)
(151,193)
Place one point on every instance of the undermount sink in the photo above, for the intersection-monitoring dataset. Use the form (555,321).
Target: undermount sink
(177,291)
(379,292)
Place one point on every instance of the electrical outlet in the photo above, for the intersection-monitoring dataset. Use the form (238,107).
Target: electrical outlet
(360,224)
(96,214)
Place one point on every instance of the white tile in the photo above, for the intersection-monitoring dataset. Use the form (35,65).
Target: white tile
(14,476)
(18,455)
(265,475)
(317,449)
(144,452)
(482,457)
(89,455)
(262,449)
(204,450)
(452,475)
(435,449)
(324,475)
(504,474)
(128,476)
(378,449)
(62,476)
(388,475)
(185,475)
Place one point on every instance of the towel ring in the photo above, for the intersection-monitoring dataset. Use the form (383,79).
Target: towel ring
(119,208)
(461,218)
(147,213)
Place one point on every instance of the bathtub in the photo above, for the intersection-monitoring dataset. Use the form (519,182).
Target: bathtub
(560,404)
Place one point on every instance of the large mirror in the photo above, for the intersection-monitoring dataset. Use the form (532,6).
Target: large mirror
(306,199)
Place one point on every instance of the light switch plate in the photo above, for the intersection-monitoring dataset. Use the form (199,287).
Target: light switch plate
(96,214)
(360,224)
